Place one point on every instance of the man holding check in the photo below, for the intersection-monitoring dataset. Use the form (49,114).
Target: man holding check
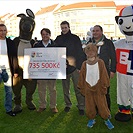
(44,84)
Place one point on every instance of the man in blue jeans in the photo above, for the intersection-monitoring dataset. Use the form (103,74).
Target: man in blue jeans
(8,67)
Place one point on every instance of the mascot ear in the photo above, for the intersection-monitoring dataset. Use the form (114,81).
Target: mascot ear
(116,19)
(21,15)
(30,13)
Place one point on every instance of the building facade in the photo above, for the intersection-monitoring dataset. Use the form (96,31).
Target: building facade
(81,17)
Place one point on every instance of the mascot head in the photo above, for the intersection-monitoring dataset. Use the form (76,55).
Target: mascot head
(91,50)
(125,21)
(26,25)
(89,34)
(91,53)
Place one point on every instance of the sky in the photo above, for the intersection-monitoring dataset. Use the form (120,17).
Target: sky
(20,6)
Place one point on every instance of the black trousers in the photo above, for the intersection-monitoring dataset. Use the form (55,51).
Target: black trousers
(108,98)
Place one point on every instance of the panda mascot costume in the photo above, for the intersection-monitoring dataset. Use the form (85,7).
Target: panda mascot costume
(124,53)
(26,27)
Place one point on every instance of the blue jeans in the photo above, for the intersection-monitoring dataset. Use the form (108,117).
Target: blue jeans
(8,92)
(8,98)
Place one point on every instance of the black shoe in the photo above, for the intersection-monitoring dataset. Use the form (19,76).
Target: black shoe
(11,113)
(81,112)
(122,117)
(31,108)
(17,112)
(67,109)
(17,109)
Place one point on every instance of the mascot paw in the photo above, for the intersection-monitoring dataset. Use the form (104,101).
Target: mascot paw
(122,117)
(17,109)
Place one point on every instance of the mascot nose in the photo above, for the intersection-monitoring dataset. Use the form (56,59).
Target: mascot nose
(128,27)
(27,27)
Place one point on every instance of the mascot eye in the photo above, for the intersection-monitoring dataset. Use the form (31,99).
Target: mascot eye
(120,21)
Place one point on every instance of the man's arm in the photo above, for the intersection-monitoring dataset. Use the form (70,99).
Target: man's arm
(113,59)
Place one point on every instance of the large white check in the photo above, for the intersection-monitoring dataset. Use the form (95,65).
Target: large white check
(45,63)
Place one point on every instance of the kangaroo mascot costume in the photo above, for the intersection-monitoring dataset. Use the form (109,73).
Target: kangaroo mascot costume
(26,27)
(124,53)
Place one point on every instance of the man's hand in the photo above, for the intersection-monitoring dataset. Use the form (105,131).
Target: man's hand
(78,70)
(112,74)
(15,75)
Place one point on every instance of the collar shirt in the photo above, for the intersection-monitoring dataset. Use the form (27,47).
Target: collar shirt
(4,61)
(45,45)
(3,55)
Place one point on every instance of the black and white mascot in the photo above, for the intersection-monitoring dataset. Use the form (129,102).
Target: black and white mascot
(124,53)
(26,27)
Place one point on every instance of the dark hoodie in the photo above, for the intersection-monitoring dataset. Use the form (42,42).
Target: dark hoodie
(74,52)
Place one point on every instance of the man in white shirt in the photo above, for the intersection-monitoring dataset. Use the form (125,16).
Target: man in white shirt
(8,62)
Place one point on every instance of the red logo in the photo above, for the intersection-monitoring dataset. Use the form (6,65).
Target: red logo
(124,61)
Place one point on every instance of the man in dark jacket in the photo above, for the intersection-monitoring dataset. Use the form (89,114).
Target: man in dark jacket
(44,84)
(106,52)
(8,64)
(75,58)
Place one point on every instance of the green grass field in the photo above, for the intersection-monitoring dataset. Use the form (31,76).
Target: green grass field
(47,122)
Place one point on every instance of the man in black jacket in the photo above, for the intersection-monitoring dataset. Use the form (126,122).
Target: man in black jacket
(75,58)
(44,84)
(9,64)
(106,52)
